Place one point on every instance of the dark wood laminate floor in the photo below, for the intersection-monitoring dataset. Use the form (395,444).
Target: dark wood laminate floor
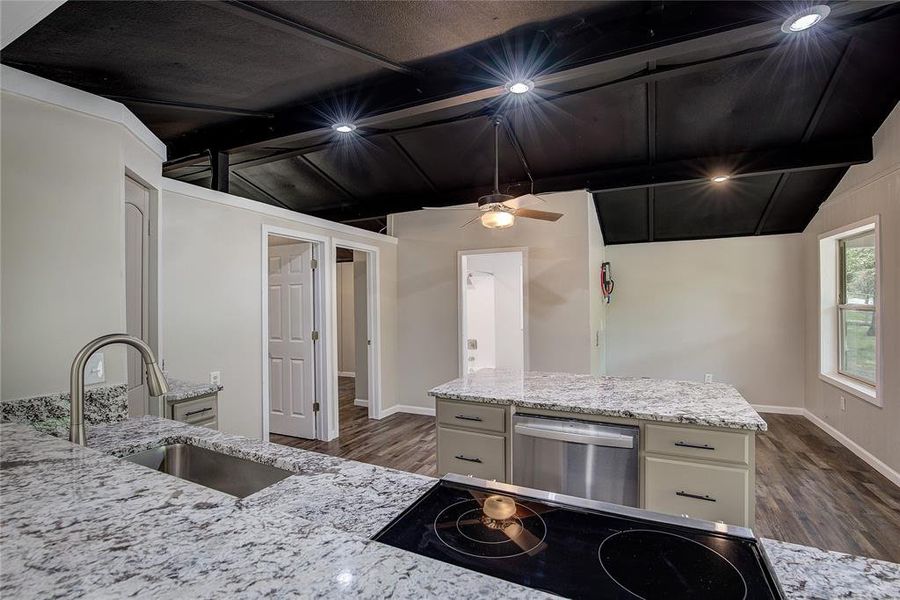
(812,490)
(400,441)
(809,489)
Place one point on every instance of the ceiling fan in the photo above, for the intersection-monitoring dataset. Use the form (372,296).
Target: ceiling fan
(499,211)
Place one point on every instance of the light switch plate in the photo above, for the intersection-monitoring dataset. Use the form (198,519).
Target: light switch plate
(95,370)
(215,378)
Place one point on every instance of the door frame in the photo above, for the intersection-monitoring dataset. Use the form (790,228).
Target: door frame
(461,301)
(323,279)
(373,326)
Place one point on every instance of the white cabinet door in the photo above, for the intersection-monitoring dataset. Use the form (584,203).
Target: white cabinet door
(291,368)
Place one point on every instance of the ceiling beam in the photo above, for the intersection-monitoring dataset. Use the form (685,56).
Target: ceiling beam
(651,149)
(327,178)
(190,106)
(261,191)
(267,18)
(808,131)
(220,171)
(669,40)
(412,163)
(802,157)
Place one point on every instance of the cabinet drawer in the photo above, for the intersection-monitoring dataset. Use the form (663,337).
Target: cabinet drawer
(196,411)
(701,491)
(470,453)
(698,443)
(471,415)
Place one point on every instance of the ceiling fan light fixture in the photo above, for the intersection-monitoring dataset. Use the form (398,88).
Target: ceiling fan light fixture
(805,19)
(520,86)
(498,219)
(344,127)
(720,178)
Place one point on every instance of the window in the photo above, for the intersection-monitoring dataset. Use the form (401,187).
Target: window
(856,307)
(849,309)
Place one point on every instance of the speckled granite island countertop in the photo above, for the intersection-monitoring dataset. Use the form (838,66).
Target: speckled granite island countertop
(181,390)
(78,522)
(709,404)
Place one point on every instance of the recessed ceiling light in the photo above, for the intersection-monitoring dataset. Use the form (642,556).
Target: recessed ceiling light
(343,127)
(805,19)
(719,178)
(520,86)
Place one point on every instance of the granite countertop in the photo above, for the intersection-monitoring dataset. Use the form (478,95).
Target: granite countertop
(709,404)
(78,521)
(181,390)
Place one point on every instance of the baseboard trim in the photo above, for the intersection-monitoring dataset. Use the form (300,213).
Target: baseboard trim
(360,402)
(779,410)
(346,373)
(408,408)
(867,457)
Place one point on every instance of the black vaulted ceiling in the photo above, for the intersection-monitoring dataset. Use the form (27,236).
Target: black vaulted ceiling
(638,102)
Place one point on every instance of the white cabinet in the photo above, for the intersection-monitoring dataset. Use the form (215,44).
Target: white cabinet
(702,472)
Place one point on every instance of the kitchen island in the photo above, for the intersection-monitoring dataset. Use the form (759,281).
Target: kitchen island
(695,441)
(80,522)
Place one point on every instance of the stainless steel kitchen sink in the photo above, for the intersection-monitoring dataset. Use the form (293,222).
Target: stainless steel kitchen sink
(236,476)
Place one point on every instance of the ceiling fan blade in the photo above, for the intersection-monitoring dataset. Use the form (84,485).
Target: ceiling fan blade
(542,215)
(523,201)
(472,206)
(470,221)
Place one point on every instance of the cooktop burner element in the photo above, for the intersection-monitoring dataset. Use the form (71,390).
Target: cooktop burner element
(494,526)
(580,548)
(677,563)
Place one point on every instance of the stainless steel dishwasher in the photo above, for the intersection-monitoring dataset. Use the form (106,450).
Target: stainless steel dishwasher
(587,459)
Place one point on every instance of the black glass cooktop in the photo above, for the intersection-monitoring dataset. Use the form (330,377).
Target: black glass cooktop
(578,552)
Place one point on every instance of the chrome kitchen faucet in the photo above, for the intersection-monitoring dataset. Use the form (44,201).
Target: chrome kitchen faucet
(156,381)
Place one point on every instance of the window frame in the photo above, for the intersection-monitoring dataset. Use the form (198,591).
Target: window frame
(831,306)
(843,305)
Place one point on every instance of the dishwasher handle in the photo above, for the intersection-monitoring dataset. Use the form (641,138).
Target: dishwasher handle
(600,438)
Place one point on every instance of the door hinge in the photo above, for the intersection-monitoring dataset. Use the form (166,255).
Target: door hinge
(316,407)
(314,263)
(315,336)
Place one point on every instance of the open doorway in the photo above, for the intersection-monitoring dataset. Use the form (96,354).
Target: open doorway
(301,352)
(291,338)
(351,287)
(493,309)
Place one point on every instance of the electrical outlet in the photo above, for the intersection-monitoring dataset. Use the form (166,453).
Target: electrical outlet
(215,377)
(843,403)
(95,369)
(707,378)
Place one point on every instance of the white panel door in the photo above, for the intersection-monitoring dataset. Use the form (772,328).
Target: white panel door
(291,356)
(137,261)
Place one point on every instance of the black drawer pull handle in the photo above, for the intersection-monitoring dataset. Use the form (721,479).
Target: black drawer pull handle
(468,418)
(695,496)
(197,412)
(697,446)
(467,459)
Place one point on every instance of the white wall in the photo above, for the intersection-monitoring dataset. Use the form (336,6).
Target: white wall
(730,307)
(866,190)
(212,279)
(63,235)
(18,16)
(558,290)
(598,306)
